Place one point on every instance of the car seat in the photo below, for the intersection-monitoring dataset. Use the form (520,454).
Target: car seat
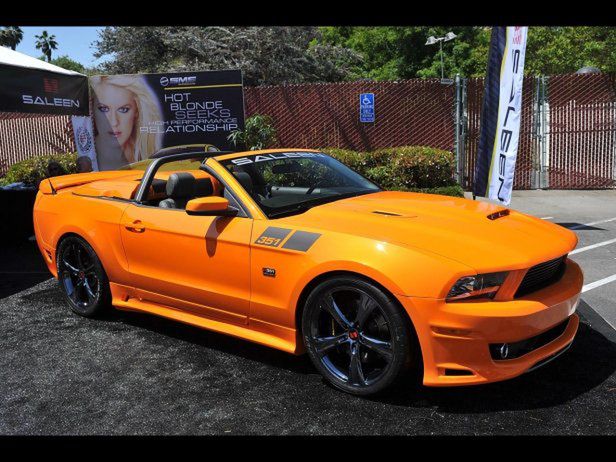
(180,188)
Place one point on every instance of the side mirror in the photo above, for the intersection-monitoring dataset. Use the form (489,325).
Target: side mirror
(211,205)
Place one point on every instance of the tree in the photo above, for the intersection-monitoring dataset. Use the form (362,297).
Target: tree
(400,52)
(560,50)
(390,53)
(273,55)
(68,63)
(46,43)
(11,36)
(266,55)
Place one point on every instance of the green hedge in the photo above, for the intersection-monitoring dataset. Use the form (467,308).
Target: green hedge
(405,168)
(455,190)
(32,171)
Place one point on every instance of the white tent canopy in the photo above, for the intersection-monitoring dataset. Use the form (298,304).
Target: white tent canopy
(15,58)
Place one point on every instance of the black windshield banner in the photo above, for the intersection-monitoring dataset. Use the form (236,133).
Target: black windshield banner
(137,115)
(43,92)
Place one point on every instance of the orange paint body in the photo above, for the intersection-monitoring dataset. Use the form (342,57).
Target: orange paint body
(210,271)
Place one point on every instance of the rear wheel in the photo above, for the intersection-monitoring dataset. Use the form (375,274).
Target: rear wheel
(356,335)
(82,277)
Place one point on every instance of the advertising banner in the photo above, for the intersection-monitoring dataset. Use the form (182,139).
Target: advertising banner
(38,91)
(500,117)
(137,115)
(84,140)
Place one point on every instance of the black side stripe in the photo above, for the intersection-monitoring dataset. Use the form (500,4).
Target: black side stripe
(272,236)
(301,240)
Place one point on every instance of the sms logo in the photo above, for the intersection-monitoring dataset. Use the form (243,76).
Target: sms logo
(178,81)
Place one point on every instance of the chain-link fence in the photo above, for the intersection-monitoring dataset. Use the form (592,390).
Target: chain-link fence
(567,133)
(578,146)
(409,112)
(29,135)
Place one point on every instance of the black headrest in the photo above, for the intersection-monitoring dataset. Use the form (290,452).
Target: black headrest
(244,179)
(203,187)
(180,185)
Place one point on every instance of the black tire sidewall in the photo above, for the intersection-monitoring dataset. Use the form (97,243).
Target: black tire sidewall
(400,334)
(103,300)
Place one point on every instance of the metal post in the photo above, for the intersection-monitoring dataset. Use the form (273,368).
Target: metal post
(463,131)
(442,71)
(545,134)
(460,128)
(541,131)
(536,177)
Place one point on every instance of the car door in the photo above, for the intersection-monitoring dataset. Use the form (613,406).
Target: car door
(195,263)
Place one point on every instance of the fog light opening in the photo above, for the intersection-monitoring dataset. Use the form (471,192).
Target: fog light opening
(503,350)
(457,372)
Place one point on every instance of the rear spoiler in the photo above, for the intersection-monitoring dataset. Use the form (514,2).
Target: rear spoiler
(51,185)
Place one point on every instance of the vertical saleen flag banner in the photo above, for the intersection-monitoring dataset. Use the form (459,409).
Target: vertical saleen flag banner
(84,138)
(500,116)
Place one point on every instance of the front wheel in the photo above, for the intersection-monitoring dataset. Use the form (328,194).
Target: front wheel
(356,335)
(82,277)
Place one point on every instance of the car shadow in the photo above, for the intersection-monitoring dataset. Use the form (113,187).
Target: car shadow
(214,341)
(589,362)
(185,333)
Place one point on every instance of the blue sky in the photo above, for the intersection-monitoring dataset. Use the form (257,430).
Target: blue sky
(75,42)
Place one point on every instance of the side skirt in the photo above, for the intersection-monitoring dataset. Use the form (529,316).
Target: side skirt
(284,341)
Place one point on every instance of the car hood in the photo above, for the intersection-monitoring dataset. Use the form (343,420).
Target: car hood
(455,228)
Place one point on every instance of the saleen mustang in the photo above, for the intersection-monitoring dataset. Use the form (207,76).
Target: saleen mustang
(292,249)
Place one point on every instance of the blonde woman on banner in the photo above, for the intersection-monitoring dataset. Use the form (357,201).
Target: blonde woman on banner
(125,110)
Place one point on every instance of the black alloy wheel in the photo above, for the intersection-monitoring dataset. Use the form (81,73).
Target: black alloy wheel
(356,335)
(82,277)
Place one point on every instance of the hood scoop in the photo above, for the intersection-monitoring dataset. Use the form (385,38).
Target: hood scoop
(499,214)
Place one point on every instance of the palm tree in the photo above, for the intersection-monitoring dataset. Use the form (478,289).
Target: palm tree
(11,36)
(46,43)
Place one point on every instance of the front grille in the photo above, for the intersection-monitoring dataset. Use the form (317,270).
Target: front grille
(542,275)
(517,349)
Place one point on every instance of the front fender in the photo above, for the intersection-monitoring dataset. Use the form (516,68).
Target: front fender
(402,270)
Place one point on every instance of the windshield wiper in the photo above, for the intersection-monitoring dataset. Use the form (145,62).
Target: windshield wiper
(307,205)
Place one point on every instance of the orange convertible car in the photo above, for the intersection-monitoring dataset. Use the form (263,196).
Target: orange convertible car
(291,249)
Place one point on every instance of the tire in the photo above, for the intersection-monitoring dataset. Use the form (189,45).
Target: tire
(356,335)
(82,278)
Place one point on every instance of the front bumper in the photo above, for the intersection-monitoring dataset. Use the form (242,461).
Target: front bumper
(455,337)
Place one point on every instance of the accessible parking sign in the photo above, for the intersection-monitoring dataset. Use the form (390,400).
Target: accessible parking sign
(366,107)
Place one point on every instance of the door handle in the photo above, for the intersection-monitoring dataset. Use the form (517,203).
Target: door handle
(135,227)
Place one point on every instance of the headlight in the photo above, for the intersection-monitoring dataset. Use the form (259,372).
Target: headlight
(480,286)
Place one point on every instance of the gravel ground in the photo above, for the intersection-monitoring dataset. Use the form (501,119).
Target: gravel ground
(136,374)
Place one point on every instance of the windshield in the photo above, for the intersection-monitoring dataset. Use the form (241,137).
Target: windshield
(285,183)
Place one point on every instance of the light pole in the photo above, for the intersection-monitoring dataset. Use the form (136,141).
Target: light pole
(445,38)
